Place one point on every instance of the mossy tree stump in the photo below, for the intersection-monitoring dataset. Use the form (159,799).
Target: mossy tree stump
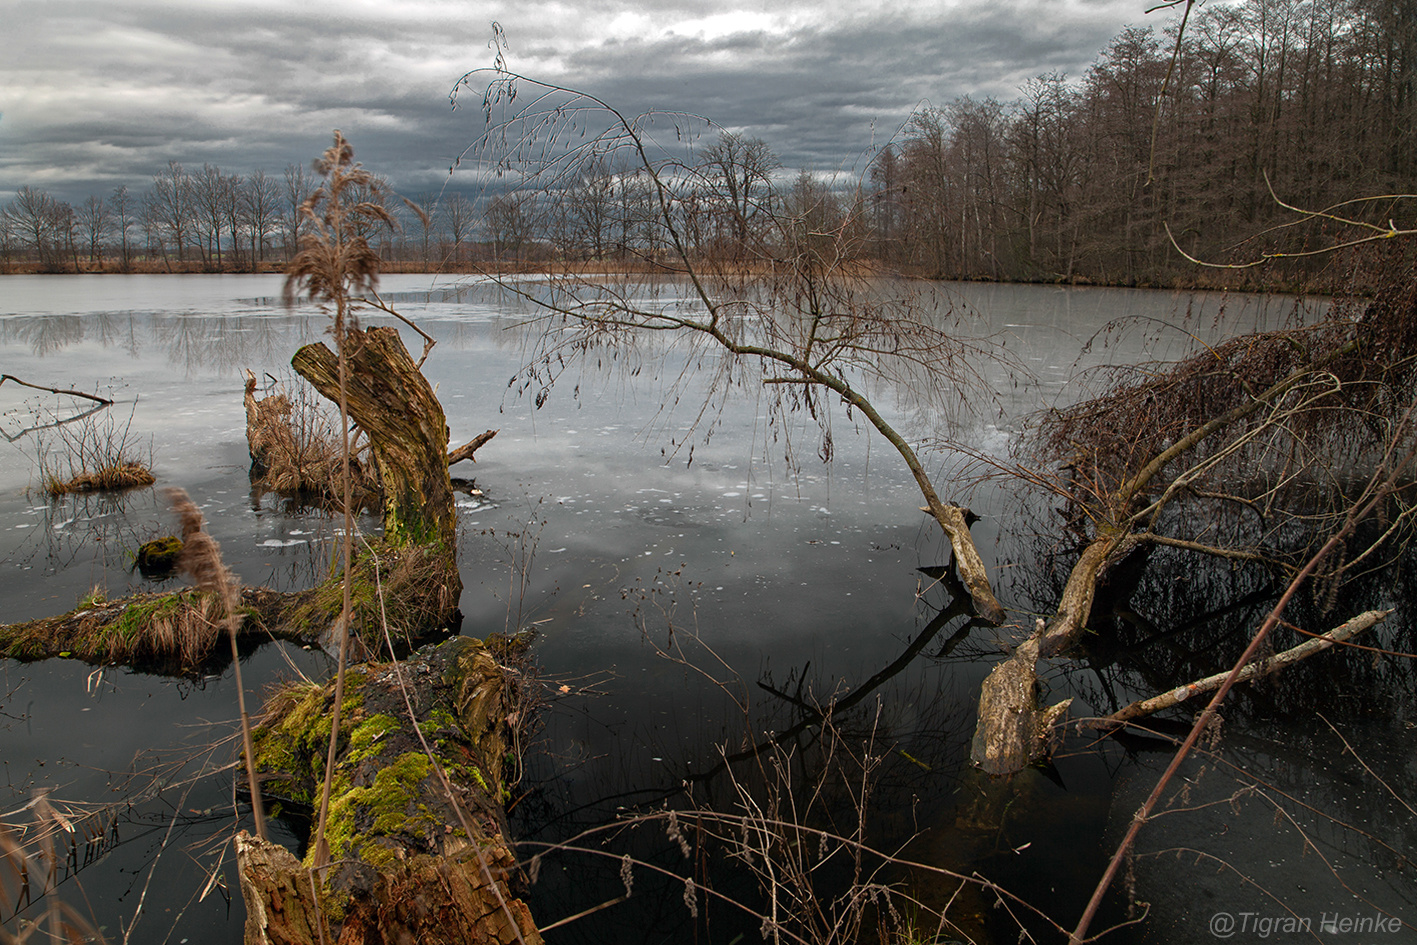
(414,857)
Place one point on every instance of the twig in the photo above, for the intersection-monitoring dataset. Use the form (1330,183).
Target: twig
(55,390)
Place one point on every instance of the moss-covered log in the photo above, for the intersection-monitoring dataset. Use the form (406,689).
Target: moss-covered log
(416,839)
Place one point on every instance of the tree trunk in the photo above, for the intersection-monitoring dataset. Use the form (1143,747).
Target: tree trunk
(393,402)
(1014,731)
(417,845)
(414,565)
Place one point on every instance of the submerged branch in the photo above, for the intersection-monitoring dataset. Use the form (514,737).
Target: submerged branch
(55,390)
(1317,644)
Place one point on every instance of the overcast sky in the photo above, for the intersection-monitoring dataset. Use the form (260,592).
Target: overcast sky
(96,94)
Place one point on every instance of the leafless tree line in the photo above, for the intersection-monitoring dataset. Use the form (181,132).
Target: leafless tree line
(1315,100)
(1076,180)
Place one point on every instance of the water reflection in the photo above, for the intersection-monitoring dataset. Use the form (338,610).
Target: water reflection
(800,577)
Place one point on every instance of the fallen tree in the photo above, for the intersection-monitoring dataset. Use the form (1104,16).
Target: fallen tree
(416,827)
(1251,452)
(790,309)
(407,577)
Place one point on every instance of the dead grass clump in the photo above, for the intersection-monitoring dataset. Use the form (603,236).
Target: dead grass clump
(295,448)
(95,455)
(126,475)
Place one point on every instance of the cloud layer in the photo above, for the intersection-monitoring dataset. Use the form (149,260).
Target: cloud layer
(93,94)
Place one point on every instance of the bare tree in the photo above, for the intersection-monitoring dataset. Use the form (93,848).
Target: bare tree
(259,199)
(738,171)
(510,224)
(35,216)
(807,324)
(172,206)
(296,191)
(460,217)
(93,223)
(121,206)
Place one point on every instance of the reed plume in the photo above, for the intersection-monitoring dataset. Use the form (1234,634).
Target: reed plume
(201,561)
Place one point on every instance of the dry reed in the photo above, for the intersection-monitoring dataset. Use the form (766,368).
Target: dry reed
(201,560)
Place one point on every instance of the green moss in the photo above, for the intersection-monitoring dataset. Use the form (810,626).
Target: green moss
(94,598)
(159,556)
(364,740)
(385,805)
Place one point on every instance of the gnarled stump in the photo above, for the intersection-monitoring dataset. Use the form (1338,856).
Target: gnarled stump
(394,404)
(1013,730)
(414,857)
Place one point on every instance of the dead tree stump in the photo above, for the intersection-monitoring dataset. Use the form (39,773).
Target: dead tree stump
(416,834)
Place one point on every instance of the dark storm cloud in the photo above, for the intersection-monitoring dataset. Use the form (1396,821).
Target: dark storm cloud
(97,94)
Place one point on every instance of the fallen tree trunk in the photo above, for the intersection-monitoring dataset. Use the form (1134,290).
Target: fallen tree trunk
(416,825)
(1317,644)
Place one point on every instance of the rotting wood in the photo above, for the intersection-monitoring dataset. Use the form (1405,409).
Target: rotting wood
(415,857)
(393,403)
(1014,730)
(1316,644)
(298,462)
(471,446)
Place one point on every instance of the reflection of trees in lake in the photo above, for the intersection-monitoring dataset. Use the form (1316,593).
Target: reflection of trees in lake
(225,344)
(221,343)
(45,334)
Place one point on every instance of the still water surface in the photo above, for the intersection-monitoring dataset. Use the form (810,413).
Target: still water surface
(599,527)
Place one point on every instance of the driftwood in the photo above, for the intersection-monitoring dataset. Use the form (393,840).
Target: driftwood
(416,823)
(1317,644)
(1013,730)
(55,390)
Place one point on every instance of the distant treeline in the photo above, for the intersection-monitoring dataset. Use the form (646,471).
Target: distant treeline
(1076,180)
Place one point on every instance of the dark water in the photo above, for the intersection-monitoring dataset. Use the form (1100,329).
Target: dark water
(684,602)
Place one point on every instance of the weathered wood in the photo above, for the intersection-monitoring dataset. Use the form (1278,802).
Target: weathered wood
(391,400)
(1317,644)
(954,521)
(414,857)
(1014,731)
(1075,606)
(56,390)
(414,563)
(471,446)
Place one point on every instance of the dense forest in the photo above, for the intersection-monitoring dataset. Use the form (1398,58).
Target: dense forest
(1308,102)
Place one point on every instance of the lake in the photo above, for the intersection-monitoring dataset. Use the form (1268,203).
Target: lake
(695,578)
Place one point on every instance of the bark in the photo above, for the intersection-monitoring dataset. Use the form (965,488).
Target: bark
(471,446)
(415,857)
(1013,730)
(55,390)
(391,400)
(1144,707)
